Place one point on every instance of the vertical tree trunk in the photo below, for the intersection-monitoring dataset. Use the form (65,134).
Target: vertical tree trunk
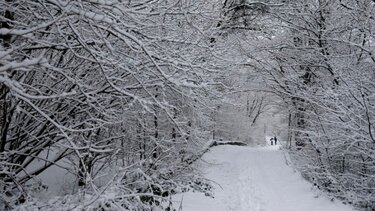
(3,117)
(174,134)
(156,132)
(156,136)
(290,132)
(188,131)
(140,141)
(85,167)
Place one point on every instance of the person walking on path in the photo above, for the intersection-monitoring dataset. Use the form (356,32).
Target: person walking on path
(275,139)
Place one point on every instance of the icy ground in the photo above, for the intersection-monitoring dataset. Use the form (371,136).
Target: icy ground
(255,179)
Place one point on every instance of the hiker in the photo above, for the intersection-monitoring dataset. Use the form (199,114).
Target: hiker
(271,141)
(275,140)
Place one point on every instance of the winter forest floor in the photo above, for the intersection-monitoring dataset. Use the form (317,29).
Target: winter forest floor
(255,179)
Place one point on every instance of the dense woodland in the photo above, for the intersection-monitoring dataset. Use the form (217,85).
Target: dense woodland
(124,96)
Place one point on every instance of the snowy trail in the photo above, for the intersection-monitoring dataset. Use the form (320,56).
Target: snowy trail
(255,179)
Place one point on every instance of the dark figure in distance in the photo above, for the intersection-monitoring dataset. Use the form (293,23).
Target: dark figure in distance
(275,140)
(271,141)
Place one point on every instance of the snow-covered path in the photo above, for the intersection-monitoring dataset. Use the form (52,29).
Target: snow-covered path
(255,179)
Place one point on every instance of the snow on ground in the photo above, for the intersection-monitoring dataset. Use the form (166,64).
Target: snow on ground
(255,179)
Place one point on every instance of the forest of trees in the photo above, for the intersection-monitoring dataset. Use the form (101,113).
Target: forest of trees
(124,95)
(322,66)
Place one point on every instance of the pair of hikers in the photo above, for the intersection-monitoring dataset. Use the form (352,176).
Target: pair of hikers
(273,140)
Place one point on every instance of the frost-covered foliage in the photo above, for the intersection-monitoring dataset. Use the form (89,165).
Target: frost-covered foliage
(321,62)
(109,91)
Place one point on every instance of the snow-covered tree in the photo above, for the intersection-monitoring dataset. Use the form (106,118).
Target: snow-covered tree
(114,88)
(320,62)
